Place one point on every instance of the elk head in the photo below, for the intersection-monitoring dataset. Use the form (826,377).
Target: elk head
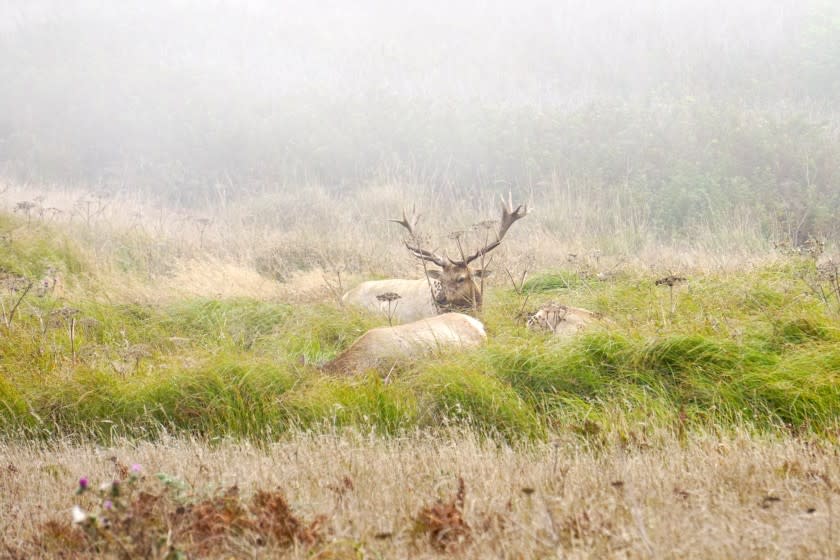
(454,286)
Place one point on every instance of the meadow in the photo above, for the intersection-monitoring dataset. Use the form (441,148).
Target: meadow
(696,420)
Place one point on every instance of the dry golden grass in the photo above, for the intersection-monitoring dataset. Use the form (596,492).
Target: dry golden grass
(217,249)
(204,277)
(710,497)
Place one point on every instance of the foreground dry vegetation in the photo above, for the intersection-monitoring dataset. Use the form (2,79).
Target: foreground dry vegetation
(348,495)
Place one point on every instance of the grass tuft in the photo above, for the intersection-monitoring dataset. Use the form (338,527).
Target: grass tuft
(553,282)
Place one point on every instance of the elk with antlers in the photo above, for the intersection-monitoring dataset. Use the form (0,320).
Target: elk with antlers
(452,287)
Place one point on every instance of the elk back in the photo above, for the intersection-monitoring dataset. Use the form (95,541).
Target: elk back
(383,347)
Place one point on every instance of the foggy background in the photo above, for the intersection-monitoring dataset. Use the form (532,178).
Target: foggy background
(682,109)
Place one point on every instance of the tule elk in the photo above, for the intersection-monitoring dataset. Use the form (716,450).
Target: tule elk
(452,287)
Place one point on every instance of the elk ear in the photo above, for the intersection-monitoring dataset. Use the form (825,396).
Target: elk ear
(482,273)
(434,274)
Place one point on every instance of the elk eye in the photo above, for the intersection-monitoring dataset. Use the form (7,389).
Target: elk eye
(461,279)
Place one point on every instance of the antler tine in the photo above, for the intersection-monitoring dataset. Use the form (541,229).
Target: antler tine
(407,223)
(426,255)
(509,216)
(410,223)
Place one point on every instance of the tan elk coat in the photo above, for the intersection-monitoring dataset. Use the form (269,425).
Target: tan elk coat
(563,321)
(384,347)
(415,302)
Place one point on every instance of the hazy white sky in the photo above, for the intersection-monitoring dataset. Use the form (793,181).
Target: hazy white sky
(100,86)
(465,49)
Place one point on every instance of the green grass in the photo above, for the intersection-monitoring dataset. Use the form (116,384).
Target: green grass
(739,350)
(32,250)
(328,403)
(557,281)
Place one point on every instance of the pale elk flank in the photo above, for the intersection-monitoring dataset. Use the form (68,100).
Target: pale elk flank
(452,287)
(562,320)
(384,347)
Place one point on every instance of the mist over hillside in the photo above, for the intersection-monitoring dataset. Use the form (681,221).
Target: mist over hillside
(680,108)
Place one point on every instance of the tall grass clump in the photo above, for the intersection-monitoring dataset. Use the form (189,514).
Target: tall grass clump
(239,323)
(231,396)
(13,413)
(453,392)
(33,249)
(315,333)
(366,403)
(553,281)
(800,391)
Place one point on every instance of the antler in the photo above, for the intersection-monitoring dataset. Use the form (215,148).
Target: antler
(509,216)
(410,223)
(426,255)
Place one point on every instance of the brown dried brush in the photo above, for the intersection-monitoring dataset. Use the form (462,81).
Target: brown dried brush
(274,518)
(17,286)
(444,522)
(671,280)
(392,299)
(209,521)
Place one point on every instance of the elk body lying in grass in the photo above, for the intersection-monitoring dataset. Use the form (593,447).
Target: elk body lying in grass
(384,347)
(455,286)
